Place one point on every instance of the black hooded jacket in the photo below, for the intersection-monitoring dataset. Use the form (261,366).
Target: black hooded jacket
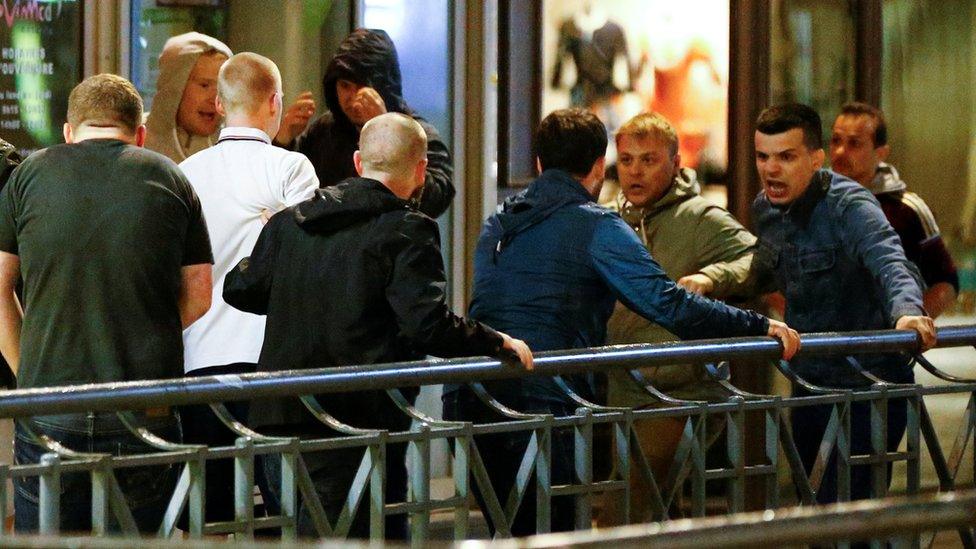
(368,57)
(351,276)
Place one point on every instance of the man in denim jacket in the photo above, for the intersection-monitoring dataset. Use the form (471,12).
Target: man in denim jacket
(825,243)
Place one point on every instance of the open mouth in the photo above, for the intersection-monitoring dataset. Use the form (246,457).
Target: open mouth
(208,116)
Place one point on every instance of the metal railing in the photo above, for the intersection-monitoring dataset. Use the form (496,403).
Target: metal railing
(690,467)
(899,518)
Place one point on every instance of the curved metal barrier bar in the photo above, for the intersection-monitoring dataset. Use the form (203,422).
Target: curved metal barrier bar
(145,394)
(533,469)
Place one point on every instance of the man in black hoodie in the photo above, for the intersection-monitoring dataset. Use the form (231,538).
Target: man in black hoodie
(361,82)
(354,276)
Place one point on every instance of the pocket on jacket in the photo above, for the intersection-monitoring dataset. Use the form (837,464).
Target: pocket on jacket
(817,260)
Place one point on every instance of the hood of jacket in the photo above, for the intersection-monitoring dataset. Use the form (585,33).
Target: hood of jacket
(683,187)
(179,56)
(367,57)
(552,190)
(352,201)
(886,180)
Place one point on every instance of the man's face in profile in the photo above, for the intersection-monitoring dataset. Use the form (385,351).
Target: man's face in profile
(197,113)
(785,165)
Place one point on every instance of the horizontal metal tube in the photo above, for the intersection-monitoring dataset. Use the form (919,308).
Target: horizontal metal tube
(861,520)
(148,394)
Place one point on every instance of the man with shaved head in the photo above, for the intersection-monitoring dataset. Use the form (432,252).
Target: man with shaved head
(355,276)
(238,179)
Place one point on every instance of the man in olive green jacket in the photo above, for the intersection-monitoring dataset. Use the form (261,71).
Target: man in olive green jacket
(698,244)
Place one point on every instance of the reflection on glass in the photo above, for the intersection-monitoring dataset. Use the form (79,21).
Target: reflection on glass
(812,54)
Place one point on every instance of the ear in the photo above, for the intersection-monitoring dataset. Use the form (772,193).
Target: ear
(66,132)
(219,105)
(357,161)
(882,152)
(273,107)
(677,162)
(141,135)
(420,172)
(538,166)
(818,158)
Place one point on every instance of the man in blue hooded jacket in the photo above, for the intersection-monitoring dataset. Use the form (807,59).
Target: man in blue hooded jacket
(548,269)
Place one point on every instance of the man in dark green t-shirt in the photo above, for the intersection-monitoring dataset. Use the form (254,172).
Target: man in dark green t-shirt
(114,253)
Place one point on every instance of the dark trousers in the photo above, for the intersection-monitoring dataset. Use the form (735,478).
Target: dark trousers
(332,473)
(809,424)
(201,426)
(502,455)
(147,490)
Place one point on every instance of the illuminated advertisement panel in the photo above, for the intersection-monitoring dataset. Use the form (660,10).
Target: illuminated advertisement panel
(40,62)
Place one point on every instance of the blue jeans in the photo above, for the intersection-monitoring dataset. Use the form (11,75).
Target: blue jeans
(147,490)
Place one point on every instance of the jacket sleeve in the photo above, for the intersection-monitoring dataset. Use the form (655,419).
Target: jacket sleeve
(865,231)
(640,284)
(248,285)
(416,293)
(438,186)
(726,249)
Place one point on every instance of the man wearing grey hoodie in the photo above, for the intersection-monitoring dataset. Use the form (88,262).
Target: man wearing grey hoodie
(184,118)
(858,149)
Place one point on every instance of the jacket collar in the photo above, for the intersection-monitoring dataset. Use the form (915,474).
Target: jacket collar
(802,208)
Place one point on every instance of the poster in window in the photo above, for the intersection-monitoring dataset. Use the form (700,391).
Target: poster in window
(618,58)
(40,62)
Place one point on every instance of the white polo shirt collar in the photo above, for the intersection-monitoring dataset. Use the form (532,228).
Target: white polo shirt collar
(240,133)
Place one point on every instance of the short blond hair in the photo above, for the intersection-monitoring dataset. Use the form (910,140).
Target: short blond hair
(246,80)
(105,100)
(392,143)
(650,124)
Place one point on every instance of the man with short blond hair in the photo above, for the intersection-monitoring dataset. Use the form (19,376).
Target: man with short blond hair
(240,179)
(115,258)
(698,244)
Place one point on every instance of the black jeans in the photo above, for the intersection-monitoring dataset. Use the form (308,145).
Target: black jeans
(809,424)
(502,455)
(201,426)
(147,490)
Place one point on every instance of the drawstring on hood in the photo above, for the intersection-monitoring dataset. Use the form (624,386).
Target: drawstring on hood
(180,55)
(367,57)
(553,190)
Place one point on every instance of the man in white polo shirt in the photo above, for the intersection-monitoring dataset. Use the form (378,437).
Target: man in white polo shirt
(238,180)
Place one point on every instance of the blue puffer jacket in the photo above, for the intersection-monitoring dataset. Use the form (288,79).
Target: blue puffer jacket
(841,267)
(550,266)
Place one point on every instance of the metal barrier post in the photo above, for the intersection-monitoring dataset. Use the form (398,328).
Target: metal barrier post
(49,495)
(244,487)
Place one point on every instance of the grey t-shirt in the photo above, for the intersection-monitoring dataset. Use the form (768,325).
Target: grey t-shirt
(102,230)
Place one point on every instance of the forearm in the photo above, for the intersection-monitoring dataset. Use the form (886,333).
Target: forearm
(11,320)
(939,298)
(730,278)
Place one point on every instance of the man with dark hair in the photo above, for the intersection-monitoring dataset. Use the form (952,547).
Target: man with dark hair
(355,276)
(362,82)
(549,268)
(825,243)
(858,150)
(116,260)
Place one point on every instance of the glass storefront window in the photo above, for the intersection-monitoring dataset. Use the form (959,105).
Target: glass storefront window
(812,54)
